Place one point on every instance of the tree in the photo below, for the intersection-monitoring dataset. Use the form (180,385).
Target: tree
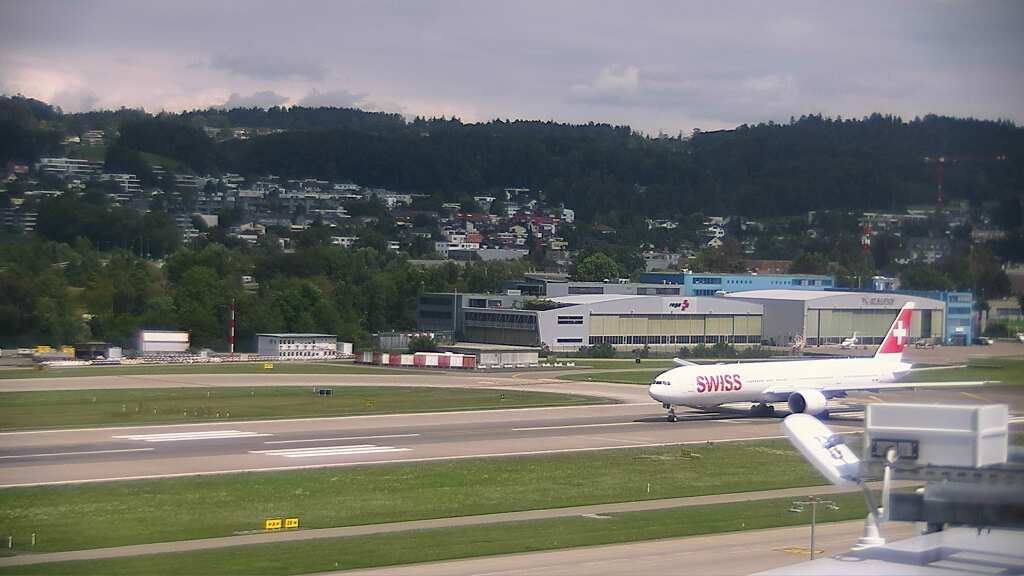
(923,277)
(597,267)
(422,344)
(809,263)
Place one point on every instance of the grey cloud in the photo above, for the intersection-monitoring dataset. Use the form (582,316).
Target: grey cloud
(269,67)
(264,99)
(341,98)
(655,65)
(75,100)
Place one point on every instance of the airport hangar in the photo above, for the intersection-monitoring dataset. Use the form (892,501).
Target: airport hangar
(666,323)
(566,323)
(828,317)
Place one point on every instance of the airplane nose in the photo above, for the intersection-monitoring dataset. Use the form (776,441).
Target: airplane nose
(653,390)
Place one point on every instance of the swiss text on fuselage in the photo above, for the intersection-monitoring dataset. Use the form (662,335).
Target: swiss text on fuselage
(719,383)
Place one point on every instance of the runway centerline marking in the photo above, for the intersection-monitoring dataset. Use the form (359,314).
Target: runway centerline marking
(183,436)
(393,461)
(975,396)
(317,451)
(78,453)
(341,439)
(573,426)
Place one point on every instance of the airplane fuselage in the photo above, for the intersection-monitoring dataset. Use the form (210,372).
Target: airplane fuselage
(707,386)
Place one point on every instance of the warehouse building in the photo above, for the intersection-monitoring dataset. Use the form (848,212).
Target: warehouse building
(829,317)
(291,346)
(162,342)
(566,323)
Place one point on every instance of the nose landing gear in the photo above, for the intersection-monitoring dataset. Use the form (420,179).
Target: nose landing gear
(671,412)
(762,410)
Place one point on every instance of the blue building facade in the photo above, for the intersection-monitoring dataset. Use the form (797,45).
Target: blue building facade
(959,314)
(709,284)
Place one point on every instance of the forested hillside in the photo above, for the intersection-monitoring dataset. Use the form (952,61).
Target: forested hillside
(605,172)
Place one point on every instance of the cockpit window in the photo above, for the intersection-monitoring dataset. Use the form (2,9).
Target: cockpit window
(661,382)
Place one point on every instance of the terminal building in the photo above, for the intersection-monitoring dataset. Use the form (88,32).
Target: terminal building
(566,323)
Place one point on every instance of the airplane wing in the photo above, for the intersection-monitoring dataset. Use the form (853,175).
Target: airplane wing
(786,388)
(681,362)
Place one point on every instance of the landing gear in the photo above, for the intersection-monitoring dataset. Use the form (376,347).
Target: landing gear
(766,410)
(672,414)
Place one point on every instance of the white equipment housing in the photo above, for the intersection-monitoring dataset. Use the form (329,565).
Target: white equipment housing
(935,435)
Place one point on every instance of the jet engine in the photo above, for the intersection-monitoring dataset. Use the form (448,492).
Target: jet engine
(807,401)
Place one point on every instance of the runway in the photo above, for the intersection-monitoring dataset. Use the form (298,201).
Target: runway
(100,454)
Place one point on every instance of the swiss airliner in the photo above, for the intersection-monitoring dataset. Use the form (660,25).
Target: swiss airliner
(805,385)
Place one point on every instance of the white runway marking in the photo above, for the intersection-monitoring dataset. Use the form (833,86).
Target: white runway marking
(395,461)
(573,426)
(315,451)
(341,439)
(182,436)
(77,453)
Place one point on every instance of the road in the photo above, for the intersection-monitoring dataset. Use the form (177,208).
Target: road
(99,454)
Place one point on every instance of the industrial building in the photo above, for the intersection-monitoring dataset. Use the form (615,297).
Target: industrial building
(496,355)
(566,323)
(711,283)
(290,346)
(162,341)
(828,317)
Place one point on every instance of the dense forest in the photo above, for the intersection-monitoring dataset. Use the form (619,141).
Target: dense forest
(607,173)
(60,293)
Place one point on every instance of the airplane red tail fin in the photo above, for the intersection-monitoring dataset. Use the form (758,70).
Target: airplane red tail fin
(899,333)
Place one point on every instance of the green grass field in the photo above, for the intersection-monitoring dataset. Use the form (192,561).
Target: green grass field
(620,377)
(460,542)
(620,364)
(1008,371)
(117,407)
(225,368)
(119,513)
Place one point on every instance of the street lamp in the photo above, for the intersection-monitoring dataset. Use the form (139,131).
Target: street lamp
(813,502)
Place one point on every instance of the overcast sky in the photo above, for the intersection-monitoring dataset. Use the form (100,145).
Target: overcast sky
(658,65)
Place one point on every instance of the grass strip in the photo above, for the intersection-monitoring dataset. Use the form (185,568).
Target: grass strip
(462,542)
(117,407)
(632,377)
(135,512)
(211,368)
(1007,371)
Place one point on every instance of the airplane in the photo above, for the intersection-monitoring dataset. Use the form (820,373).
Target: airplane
(805,385)
(850,342)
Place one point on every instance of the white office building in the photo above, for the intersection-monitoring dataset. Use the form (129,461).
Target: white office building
(291,346)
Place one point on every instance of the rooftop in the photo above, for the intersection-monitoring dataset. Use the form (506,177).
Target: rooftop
(296,335)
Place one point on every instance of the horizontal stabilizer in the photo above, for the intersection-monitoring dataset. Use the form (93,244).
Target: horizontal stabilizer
(681,362)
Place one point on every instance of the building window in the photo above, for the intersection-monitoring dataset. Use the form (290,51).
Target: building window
(570,319)
(706,280)
(586,289)
(570,340)
(477,303)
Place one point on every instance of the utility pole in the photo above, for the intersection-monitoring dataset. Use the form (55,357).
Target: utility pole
(813,502)
(231,328)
